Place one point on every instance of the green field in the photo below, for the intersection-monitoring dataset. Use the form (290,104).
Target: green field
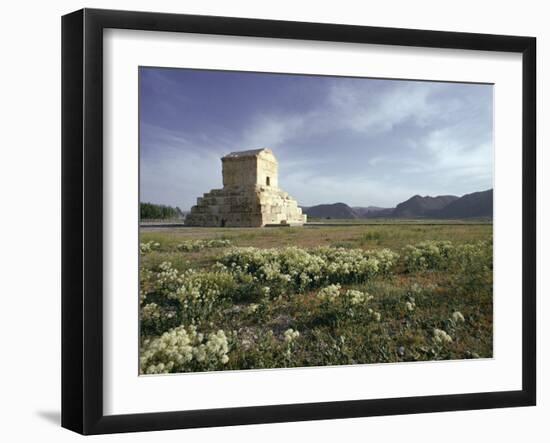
(243,298)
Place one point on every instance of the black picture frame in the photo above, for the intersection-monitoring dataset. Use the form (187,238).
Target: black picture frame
(82,219)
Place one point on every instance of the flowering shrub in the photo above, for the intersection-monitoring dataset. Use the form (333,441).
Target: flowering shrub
(457,317)
(330,293)
(198,245)
(357,263)
(204,285)
(149,246)
(376,315)
(164,280)
(427,255)
(156,319)
(441,337)
(336,306)
(356,297)
(300,269)
(473,267)
(291,335)
(474,260)
(184,349)
(193,294)
(279,269)
(252,308)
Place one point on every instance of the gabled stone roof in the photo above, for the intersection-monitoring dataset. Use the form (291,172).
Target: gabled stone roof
(249,153)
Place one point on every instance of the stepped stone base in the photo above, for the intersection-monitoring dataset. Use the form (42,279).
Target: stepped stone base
(245,206)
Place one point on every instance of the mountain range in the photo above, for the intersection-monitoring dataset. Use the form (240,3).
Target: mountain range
(477,204)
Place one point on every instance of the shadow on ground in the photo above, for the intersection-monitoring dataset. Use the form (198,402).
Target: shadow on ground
(54,417)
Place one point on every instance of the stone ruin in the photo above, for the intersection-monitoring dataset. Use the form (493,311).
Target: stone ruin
(250,196)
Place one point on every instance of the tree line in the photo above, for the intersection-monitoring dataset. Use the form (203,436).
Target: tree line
(158,212)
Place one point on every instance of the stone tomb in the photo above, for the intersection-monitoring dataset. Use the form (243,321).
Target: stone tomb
(250,196)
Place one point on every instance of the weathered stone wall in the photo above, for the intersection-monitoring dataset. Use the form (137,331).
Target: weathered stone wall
(278,207)
(226,207)
(268,170)
(239,171)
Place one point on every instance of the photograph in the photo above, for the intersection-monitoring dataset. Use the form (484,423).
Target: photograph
(291,220)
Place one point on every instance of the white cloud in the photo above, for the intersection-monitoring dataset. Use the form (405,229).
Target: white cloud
(372,111)
(272,130)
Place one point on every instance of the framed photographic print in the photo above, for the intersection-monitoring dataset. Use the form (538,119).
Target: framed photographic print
(269,221)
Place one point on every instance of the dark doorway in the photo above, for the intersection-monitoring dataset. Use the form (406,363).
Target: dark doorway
(267,181)
(223,223)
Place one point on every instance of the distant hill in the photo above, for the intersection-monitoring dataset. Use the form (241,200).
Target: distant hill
(418,206)
(334,210)
(373,211)
(477,204)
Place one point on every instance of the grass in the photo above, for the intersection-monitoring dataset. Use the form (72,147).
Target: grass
(392,236)
(398,221)
(411,306)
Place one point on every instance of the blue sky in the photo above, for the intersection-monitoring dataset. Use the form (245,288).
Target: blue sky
(354,140)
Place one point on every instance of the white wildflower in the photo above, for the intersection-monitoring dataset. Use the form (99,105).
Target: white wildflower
(291,335)
(357,297)
(440,336)
(458,317)
(178,349)
(329,293)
